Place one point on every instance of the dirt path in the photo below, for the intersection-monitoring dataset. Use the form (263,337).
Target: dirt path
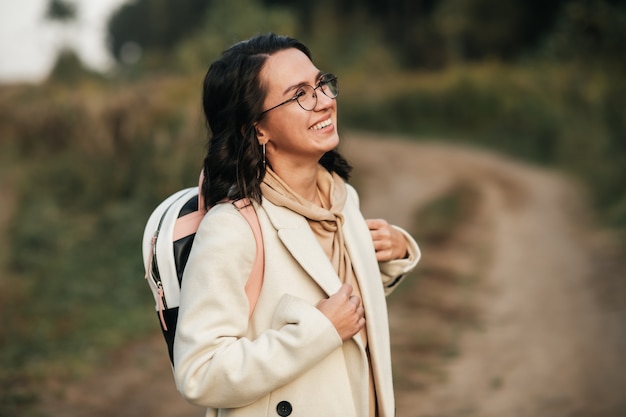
(552,332)
(549,333)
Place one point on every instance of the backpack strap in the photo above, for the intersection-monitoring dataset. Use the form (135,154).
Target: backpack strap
(188,224)
(246,208)
(255,281)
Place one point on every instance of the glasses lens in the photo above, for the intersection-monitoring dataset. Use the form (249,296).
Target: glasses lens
(329,85)
(306,97)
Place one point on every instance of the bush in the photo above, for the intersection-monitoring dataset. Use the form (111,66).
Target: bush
(87,168)
(544,114)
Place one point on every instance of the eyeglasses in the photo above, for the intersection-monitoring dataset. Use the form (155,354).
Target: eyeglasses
(306,95)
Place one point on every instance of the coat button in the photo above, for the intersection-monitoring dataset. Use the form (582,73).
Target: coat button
(284,408)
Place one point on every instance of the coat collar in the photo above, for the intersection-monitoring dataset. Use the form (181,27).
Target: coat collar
(294,232)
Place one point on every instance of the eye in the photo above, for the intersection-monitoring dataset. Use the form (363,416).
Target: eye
(301,92)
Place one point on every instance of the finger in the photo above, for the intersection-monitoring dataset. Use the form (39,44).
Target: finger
(381,244)
(374,224)
(382,233)
(354,299)
(346,289)
(361,323)
(381,254)
(376,234)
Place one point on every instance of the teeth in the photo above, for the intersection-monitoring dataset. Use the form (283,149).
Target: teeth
(322,125)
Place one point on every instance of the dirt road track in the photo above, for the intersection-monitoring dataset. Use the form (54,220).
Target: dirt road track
(550,300)
(553,336)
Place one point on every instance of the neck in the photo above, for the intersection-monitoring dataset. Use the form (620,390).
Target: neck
(301,179)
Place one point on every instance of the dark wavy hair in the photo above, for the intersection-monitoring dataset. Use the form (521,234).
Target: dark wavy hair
(232,99)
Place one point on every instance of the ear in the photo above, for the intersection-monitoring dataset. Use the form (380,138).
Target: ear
(262,134)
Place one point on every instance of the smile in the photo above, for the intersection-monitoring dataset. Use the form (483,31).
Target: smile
(322,125)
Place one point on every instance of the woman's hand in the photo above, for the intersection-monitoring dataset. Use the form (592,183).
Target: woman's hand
(345,312)
(389,243)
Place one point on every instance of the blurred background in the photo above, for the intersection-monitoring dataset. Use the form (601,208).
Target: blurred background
(100,120)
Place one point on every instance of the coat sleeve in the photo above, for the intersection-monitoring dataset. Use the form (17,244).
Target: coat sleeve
(393,272)
(215,364)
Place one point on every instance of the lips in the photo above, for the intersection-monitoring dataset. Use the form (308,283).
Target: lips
(322,124)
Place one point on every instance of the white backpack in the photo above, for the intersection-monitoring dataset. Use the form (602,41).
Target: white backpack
(167,240)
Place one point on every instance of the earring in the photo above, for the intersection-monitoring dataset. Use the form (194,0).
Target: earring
(263,155)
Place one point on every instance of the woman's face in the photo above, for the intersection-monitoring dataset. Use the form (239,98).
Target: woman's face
(292,134)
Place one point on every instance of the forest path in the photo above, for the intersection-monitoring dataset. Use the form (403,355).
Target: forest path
(546,298)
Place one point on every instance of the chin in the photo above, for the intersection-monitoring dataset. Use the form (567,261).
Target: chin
(331,144)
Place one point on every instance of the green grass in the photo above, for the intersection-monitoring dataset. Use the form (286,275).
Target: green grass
(84,181)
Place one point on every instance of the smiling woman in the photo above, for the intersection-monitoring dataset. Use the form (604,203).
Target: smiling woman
(317,341)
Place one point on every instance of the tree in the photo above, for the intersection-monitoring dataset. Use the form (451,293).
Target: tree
(61,11)
(68,66)
(155,25)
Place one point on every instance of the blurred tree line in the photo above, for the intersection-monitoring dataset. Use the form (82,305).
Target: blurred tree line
(420,33)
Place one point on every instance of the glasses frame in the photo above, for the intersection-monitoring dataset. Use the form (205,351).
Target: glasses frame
(324,79)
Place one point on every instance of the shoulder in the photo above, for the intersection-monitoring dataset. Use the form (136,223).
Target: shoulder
(353,195)
(226,212)
(224,222)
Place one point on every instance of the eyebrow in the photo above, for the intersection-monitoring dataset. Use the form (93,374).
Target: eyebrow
(293,87)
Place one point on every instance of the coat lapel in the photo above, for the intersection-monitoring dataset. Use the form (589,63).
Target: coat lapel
(295,233)
(363,258)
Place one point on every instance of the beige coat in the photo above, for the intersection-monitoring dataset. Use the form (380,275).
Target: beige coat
(287,359)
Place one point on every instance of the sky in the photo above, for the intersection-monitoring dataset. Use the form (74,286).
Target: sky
(29,43)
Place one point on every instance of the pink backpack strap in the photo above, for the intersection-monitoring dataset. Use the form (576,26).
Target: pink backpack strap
(246,208)
(255,281)
(189,223)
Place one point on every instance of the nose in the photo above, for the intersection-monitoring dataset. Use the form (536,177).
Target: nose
(323,101)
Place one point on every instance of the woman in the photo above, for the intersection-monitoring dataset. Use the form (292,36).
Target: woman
(317,343)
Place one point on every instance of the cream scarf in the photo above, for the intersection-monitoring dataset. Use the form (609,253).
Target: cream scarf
(326,222)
